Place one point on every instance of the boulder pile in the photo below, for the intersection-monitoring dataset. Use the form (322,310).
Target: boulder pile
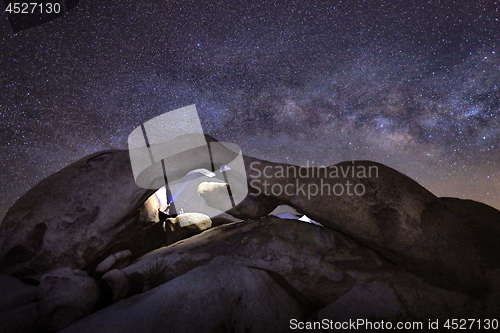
(86,251)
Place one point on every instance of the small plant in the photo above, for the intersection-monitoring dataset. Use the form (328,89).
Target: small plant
(155,274)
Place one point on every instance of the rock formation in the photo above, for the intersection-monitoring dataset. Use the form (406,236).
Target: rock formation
(394,215)
(84,213)
(15,294)
(217,280)
(65,296)
(210,298)
(77,217)
(188,224)
(90,227)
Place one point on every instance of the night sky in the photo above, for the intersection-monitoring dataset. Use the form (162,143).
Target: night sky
(414,85)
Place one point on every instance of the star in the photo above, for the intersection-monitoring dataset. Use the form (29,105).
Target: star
(414,86)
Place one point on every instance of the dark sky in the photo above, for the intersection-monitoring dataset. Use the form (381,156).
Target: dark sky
(411,84)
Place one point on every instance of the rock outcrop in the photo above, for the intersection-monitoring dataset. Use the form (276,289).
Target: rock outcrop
(92,209)
(188,224)
(77,217)
(252,277)
(211,298)
(216,281)
(84,213)
(395,244)
(14,293)
(292,249)
(390,213)
(65,296)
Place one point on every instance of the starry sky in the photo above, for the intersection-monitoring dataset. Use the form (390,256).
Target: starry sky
(412,84)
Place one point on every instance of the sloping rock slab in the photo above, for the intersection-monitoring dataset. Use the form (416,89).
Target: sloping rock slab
(315,264)
(292,249)
(77,217)
(211,298)
(483,221)
(14,293)
(293,270)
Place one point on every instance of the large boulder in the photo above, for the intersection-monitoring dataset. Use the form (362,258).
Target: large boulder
(14,293)
(23,319)
(86,212)
(400,297)
(188,224)
(290,248)
(316,265)
(483,222)
(77,217)
(375,300)
(288,269)
(211,298)
(380,208)
(66,295)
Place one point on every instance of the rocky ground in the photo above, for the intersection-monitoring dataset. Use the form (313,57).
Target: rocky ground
(85,251)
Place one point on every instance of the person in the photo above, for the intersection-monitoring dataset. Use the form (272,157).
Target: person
(165,214)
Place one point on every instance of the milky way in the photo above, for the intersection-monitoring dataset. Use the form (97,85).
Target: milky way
(411,84)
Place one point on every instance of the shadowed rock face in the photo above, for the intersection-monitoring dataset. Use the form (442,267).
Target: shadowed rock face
(256,275)
(294,249)
(65,295)
(206,299)
(92,209)
(395,216)
(397,244)
(483,222)
(77,217)
(84,213)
